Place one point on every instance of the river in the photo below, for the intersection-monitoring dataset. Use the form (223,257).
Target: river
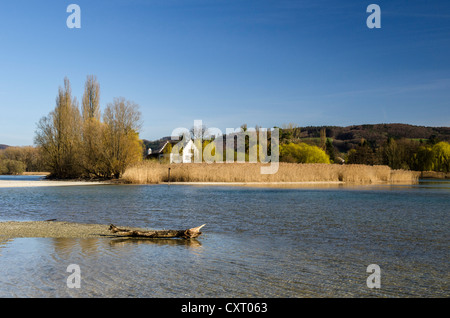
(257,242)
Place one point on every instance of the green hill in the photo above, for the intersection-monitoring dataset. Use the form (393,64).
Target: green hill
(346,138)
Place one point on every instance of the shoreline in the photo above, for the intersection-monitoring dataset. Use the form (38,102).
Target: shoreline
(300,184)
(62,183)
(292,184)
(284,185)
(251,173)
(254,183)
(48,183)
(53,229)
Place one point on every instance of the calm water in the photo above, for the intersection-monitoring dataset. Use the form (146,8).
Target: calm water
(257,242)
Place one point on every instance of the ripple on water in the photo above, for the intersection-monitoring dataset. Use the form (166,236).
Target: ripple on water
(257,242)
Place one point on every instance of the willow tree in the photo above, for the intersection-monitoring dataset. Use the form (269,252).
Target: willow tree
(91,128)
(120,137)
(58,135)
(303,153)
(442,156)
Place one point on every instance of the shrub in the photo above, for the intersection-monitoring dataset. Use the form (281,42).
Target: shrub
(303,153)
(8,166)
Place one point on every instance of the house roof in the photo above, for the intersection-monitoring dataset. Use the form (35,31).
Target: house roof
(157,146)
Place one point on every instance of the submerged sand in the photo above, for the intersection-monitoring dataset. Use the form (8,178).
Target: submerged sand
(55,229)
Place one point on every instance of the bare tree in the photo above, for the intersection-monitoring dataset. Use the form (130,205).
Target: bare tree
(91,98)
(75,144)
(91,128)
(58,135)
(121,144)
(323,138)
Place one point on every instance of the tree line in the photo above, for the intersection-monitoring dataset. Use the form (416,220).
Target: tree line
(81,142)
(17,160)
(402,153)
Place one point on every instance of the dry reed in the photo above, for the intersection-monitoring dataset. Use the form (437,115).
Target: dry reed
(150,172)
(435,175)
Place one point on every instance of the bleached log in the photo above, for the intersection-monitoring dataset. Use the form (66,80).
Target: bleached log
(186,234)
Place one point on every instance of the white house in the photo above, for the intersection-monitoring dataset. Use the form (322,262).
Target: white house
(188,154)
(190,151)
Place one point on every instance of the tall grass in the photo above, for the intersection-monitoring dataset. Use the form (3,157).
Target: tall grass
(435,175)
(149,172)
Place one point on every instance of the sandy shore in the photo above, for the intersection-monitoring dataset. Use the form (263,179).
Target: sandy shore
(257,183)
(55,229)
(305,184)
(46,183)
(50,183)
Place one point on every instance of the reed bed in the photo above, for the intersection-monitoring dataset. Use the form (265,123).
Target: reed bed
(435,175)
(150,172)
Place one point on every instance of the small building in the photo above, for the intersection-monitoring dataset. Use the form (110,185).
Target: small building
(190,151)
(157,150)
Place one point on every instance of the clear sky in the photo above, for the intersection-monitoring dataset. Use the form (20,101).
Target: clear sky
(229,62)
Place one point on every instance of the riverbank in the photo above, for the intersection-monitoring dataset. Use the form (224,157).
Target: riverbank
(240,174)
(47,183)
(288,185)
(52,229)
(434,175)
(277,238)
(149,172)
(35,174)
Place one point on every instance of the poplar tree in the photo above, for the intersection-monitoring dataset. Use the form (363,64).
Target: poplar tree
(91,128)
(75,144)
(58,135)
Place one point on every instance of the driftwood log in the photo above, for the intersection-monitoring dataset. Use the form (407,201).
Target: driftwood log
(186,234)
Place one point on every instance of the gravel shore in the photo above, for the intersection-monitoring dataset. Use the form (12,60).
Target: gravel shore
(55,229)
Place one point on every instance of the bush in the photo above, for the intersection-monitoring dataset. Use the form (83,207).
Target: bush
(303,153)
(441,152)
(3,169)
(12,167)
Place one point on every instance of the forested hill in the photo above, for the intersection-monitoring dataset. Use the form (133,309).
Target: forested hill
(345,138)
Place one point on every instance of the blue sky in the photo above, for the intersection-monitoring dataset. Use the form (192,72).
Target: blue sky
(229,62)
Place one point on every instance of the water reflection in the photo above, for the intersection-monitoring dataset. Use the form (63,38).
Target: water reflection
(259,242)
(4,243)
(435,184)
(66,246)
(23,178)
(126,242)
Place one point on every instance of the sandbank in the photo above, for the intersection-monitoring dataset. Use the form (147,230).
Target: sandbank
(46,183)
(53,229)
